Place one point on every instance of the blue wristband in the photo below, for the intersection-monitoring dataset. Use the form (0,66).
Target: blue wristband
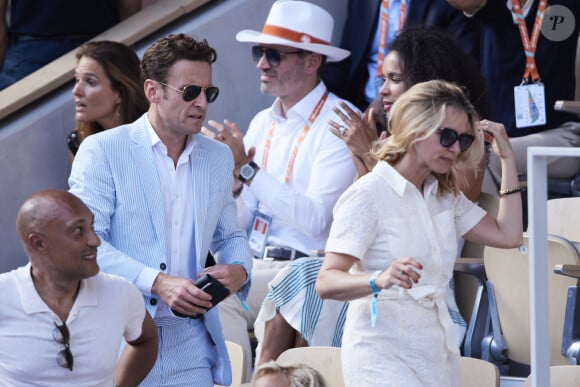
(244,305)
(375,295)
(372,282)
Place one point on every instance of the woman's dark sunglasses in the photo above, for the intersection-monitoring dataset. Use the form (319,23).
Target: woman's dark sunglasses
(189,93)
(447,138)
(272,56)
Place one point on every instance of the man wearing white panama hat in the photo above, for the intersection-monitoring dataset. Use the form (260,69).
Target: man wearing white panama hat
(292,169)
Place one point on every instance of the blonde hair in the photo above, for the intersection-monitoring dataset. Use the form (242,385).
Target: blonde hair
(299,375)
(417,114)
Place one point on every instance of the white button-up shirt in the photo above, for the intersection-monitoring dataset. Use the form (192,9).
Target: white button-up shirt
(302,208)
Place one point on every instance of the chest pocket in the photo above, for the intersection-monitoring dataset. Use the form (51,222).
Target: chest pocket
(406,237)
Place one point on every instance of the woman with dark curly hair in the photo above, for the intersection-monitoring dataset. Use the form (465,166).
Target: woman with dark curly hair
(108,89)
(418,54)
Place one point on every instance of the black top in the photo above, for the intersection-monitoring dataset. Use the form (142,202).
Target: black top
(503,60)
(73,142)
(347,78)
(61,18)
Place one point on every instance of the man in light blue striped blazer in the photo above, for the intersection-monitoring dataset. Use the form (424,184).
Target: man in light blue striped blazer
(162,197)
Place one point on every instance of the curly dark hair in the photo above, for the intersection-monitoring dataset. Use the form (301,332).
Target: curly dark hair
(427,53)
(159,58)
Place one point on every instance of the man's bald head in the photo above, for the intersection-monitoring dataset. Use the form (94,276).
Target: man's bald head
(41,209)
(57,234)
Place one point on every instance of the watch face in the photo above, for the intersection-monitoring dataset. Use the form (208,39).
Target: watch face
(246,171)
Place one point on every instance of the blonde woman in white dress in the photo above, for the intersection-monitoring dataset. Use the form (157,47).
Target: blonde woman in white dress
(393,241)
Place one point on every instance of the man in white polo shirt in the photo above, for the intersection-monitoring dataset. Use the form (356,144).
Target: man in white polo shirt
(62,322)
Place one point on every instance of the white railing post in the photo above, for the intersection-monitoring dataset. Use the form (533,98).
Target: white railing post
(537,213)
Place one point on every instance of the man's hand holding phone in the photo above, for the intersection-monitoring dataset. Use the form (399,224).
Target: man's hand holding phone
(211,286)
(181,295)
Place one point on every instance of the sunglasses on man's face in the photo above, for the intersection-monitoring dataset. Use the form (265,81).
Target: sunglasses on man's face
(272,56)
(191,92)
(448,136)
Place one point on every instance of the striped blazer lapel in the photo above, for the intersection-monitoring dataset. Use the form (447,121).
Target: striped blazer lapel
(142,155)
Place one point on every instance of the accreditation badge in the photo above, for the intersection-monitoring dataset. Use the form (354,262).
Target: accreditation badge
(258,233)
(530,105)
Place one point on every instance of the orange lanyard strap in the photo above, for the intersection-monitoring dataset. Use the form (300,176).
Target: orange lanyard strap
(384,24)
(402,14)
(530,44)
(299,140)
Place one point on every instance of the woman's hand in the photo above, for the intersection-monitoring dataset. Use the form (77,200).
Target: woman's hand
(500,143)
(402,272)
(359,133)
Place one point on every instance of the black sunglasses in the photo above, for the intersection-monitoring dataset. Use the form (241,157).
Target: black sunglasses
(447,138)
(61,335)
(189,93)
(272,56)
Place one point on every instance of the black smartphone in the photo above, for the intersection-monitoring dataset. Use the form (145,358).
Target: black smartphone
(212,286)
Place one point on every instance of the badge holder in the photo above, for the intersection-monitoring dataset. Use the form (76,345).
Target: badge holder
(529,96)
(258,234)
(530,104)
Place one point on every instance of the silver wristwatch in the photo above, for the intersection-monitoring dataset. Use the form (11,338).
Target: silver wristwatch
(247,171)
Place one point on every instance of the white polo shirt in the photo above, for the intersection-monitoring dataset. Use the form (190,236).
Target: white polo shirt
(107,309)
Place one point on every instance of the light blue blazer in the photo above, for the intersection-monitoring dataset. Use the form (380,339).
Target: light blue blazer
(114,174)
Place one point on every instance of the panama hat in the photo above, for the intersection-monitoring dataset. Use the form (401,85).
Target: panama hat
(297,24)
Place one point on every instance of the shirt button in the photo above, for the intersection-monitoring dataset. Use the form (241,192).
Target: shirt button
(163,266)
(153,301)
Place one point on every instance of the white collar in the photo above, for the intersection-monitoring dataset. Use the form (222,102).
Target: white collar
(31,301)
(400,184)
(302,108)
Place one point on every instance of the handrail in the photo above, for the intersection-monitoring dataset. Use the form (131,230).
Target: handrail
(61,70)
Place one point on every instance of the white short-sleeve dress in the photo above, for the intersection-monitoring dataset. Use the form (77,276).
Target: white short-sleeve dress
(380,218)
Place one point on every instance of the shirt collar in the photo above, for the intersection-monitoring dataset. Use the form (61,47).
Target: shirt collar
(399,184)
(31,301)
(302,108)
(156,142)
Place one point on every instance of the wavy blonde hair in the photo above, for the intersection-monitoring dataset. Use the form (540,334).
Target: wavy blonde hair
(299,375)
(417,114)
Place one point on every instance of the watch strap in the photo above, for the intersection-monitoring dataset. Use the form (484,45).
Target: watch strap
(254,167)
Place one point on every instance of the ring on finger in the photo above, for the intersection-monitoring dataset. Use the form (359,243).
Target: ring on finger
(342,130)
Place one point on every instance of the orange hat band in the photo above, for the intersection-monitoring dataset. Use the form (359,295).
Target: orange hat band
(295,36)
